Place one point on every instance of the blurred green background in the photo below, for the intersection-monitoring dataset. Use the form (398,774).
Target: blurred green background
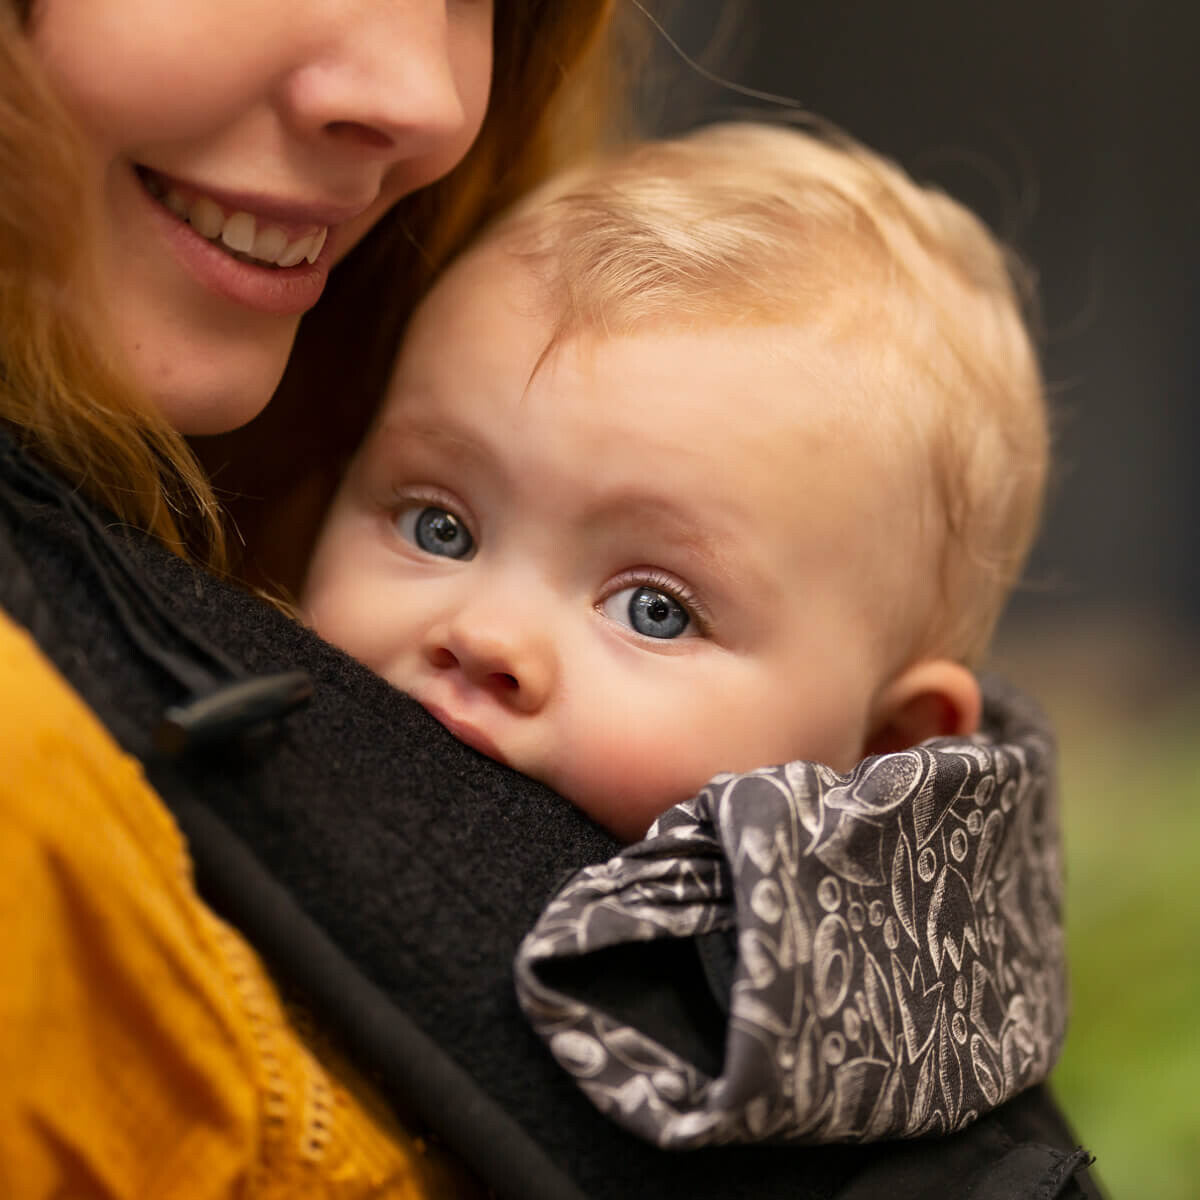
(1126,702)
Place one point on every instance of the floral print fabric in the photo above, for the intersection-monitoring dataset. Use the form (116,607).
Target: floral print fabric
(899,952)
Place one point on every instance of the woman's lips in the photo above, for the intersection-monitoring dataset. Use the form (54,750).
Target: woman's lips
(293,215)
(276,290)
(465,732)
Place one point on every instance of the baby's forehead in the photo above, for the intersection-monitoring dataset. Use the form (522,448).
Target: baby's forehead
(823,378)
(778,372)
(707,410)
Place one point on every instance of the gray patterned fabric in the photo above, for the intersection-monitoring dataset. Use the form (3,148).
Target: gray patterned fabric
(900,962)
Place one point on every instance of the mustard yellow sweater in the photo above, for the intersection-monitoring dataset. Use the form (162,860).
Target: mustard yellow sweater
(144,1052)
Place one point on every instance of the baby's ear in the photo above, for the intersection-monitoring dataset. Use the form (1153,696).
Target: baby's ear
(932,698)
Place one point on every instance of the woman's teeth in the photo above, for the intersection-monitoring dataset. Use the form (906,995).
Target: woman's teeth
(239,232)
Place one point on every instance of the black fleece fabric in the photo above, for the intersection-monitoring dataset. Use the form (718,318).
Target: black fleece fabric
(387,873)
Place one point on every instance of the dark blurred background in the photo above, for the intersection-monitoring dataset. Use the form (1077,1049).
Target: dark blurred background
(1073,129)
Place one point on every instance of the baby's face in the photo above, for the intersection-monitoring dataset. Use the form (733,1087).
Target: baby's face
(652,560)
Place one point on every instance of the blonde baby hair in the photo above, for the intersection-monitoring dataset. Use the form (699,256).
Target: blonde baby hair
(750,224)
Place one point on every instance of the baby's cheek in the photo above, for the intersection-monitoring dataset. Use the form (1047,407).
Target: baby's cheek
(345,617)
(625,782)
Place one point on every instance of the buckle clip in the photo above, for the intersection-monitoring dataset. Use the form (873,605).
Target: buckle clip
(231,710)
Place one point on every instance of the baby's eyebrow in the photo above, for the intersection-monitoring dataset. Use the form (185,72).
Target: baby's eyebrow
(399,434)
(665,518)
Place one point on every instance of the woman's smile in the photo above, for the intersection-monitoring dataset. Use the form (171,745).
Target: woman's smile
(260,239)
(269,255)
(231,175)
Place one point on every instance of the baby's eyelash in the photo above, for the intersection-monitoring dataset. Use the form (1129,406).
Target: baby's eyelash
(402,496)
(675,588)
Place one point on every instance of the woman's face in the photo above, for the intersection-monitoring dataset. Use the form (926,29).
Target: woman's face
(239,149)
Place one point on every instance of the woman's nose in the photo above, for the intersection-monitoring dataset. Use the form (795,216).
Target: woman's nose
(391,77)
(504,656)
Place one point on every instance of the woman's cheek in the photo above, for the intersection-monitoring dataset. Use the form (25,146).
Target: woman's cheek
(471,65)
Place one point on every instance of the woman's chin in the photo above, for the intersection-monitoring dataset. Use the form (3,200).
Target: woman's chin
(225,406)
(211,414)
(214,392)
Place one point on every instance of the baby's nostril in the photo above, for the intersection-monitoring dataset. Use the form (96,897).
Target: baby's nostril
(504,680)
(443,658)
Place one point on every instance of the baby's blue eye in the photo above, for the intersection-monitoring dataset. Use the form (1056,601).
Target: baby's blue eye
(436,531)
(650,611)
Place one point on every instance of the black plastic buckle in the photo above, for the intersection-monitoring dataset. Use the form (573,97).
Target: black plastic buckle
(231,710)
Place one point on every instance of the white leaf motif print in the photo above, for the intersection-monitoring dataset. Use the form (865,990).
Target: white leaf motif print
(894,937)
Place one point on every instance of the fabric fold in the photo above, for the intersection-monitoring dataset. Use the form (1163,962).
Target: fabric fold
(898,936)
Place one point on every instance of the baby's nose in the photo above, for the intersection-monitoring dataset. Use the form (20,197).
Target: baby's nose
(507,658)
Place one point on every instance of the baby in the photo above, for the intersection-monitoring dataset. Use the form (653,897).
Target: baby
(719,453)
